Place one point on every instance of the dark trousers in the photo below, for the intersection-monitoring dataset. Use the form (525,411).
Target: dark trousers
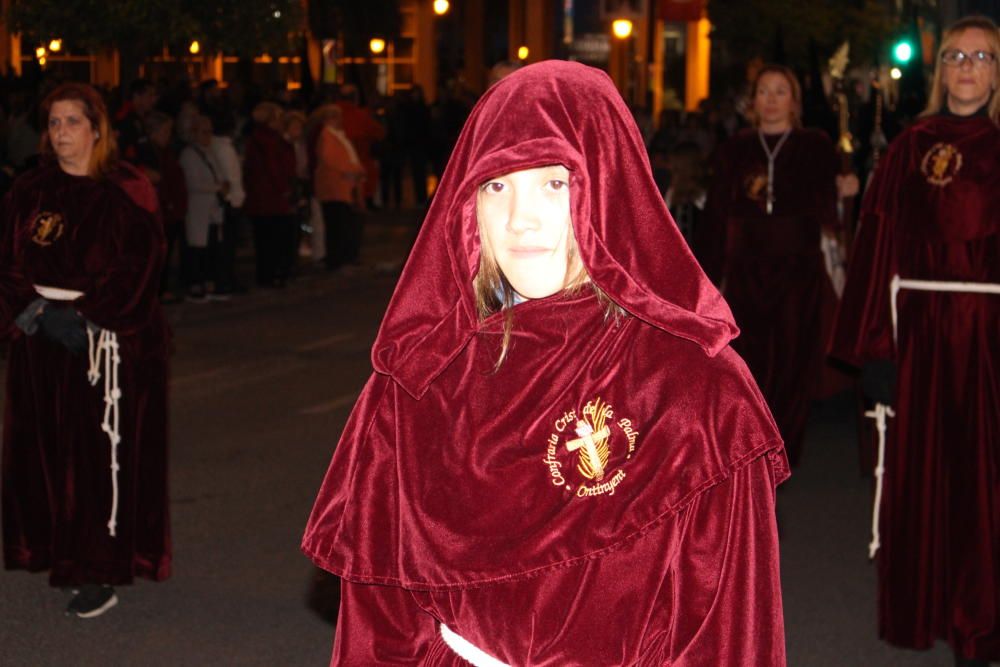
(343,234)
(203,262)
(171,231)
(273,240)
(232,233)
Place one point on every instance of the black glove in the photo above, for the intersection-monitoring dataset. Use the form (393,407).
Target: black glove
(878,381)
(62,324)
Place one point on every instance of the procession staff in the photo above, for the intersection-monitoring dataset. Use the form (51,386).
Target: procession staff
(85,425)
(773,190)
(921,314)
(558,459)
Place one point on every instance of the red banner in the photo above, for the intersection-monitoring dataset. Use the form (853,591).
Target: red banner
(682,10)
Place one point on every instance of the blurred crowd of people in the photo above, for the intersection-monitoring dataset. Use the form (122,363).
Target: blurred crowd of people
(231,164)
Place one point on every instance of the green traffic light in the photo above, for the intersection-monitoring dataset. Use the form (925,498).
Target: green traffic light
(902,52)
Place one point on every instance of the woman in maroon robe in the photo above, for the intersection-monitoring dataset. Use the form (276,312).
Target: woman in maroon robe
(85,423)
(921,310)
(773,190)
(558,459)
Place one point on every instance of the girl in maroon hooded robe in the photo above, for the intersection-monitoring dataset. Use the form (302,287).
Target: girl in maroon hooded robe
(921,311)
(558,459)
(85,421)
(774,189)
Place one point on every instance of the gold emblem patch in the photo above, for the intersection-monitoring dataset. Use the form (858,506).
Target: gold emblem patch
(755,186)
(586,451)
(941,164)
(49,228)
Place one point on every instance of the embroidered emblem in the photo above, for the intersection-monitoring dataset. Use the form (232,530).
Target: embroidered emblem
(49,228)
(587,451)
(755,187)
(941,164)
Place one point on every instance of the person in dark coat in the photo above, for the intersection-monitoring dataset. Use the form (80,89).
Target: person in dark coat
(774,189)
(160,164)
(85,421)
(921,316)
(269,181)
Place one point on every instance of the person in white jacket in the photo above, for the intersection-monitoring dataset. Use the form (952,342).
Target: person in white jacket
(207,187)
(224,126)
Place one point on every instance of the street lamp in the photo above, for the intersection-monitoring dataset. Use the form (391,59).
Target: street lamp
(40,52)
(622,28)
(195,48)
(896,73)
(441,7)
(55,46)
(522,53)
(377,45)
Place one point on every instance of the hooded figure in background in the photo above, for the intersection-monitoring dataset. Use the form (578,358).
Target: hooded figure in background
(558,459)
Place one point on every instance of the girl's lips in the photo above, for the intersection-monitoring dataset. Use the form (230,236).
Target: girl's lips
(528,251)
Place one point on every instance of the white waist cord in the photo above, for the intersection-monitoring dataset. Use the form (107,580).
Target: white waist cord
(898,283)
(879,414)
(467,651)
(105,350)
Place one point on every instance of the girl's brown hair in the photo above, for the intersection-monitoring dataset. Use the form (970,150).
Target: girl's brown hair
(105,151)
(938,97)
(793,83)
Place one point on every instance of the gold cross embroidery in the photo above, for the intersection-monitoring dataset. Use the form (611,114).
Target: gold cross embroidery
(588,440)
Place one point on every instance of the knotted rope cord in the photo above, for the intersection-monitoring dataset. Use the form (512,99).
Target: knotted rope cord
(879,414)
(103,350)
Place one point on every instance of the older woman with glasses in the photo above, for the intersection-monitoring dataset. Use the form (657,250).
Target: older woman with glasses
(921,315)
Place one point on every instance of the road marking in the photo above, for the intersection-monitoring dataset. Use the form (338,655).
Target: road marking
(195,377)
(325,342)
(330,406)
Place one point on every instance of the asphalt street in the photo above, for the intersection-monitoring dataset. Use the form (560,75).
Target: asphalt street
(261,387)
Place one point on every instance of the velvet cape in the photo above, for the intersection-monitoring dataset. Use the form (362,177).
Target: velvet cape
(935,219)
(105,240)
(453,497)
(770,266)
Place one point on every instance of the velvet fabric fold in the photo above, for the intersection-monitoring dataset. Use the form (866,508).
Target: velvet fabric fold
(462,492)
(102,238)
(630,251)
(931,214)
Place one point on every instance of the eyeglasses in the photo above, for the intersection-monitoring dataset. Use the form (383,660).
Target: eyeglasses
(957,58)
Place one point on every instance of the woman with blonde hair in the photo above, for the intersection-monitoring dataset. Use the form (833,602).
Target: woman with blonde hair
(773,192)
(85,431)
(558,459)
(921,315)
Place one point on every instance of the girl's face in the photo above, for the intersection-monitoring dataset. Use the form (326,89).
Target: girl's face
(525,225)
(773,100)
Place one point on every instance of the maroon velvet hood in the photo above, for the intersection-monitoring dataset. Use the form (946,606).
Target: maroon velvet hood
(451,473)
(554,112)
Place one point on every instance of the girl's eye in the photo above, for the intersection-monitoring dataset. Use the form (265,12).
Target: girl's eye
(557,184)
(493,187)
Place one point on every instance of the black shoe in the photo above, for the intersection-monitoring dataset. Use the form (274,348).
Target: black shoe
(92,601)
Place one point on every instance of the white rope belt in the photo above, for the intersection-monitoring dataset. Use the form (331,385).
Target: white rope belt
(898,283)
(102,349)
(882,411)
(879,414)
(468,651)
